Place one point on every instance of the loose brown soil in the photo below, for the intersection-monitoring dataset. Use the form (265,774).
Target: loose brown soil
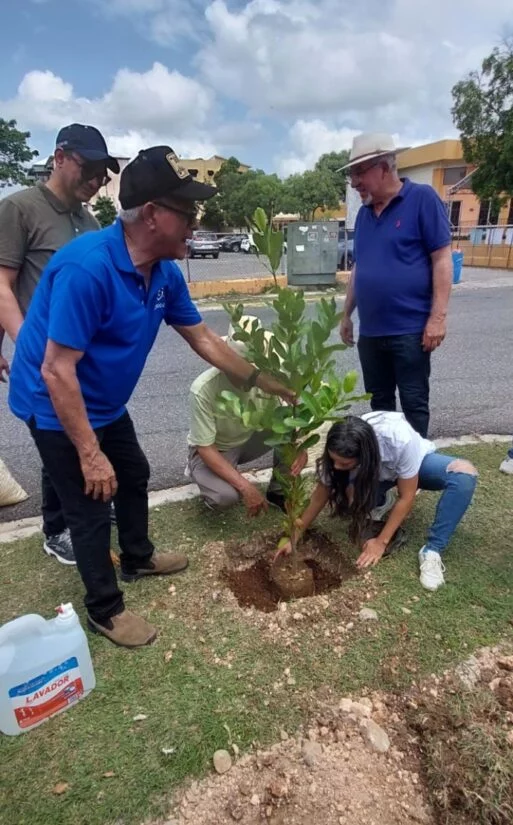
(264,585)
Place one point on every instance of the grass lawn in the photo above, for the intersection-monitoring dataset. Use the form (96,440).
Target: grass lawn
(213,677)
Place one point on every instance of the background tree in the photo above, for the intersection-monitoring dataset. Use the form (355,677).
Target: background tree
(105,210)
(483,113)
(14,154)
(330,163)
(213,216)
(309,192)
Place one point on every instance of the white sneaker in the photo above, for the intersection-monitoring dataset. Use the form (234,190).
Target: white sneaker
(379,513)
(431,569)
(507,466)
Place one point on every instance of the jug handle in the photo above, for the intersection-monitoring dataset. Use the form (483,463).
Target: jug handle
(32,623)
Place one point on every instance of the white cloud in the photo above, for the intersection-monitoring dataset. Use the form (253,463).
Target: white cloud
(362,65)
(309,139)
(140,109)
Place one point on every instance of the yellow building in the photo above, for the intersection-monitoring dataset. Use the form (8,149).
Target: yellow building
(442,166)
(204,170)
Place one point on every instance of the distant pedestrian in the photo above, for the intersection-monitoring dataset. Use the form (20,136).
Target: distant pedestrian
(79,356)
(401,279)
(34,224)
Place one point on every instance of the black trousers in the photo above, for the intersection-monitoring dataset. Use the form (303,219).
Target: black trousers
(398,362)
(53,517)
(89,520)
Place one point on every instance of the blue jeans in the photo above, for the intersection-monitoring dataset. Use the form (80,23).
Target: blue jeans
(458,490)
(510,453)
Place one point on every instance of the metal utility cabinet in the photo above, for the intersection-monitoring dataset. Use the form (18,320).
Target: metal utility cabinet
(312,253)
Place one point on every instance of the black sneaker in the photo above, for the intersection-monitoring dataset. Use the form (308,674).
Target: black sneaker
(60,547)
(276,499)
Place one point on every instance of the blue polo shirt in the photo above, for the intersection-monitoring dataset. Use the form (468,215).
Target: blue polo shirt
(90,298)
(394,276)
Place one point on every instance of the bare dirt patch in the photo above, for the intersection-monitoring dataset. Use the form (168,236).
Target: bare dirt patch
(260,584)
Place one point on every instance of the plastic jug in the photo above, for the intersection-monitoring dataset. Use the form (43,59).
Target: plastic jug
(45,666)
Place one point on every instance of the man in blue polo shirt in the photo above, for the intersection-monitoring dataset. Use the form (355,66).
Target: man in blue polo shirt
(401,279)
(79,354)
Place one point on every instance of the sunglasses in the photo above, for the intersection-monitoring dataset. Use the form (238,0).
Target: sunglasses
(91,169)
(191,217)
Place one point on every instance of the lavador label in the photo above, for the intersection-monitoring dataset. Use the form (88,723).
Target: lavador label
(47,694)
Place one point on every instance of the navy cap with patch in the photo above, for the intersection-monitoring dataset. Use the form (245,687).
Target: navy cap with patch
(88,142)
(155,173)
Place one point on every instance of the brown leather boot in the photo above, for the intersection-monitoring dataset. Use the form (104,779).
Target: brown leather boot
(160,564)
(126,629)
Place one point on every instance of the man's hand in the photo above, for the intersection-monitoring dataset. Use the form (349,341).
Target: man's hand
(253,499)
(99,476)
(299,464)
(271,386)
(434,334)
(372,552)
(346,331)
(4,368)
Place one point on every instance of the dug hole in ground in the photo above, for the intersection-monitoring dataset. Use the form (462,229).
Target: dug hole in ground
(363,760)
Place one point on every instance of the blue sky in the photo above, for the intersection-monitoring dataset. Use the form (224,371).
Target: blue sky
(275,82)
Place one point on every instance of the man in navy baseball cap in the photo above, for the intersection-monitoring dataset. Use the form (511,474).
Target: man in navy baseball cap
(88,142)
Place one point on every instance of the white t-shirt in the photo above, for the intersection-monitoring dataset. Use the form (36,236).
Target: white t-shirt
(401,448)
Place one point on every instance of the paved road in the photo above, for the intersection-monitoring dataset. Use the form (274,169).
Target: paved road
(472,389)
(228,265)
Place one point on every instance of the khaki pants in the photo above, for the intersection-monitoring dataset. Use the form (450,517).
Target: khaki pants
(214,490)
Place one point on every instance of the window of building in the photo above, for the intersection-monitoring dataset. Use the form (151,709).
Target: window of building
(454,213)
(193,172)
(454,174)
(488,213)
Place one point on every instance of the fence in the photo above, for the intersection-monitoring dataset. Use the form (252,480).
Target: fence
(486,245)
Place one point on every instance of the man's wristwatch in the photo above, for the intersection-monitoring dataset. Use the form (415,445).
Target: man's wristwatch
(251,380)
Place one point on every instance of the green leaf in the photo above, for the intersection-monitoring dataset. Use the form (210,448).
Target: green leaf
(311,441)
(260,219)
(275,249)
(350,381)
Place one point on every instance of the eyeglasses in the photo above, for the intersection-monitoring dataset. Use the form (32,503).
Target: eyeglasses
(192,217)
(91,169)
(359,171)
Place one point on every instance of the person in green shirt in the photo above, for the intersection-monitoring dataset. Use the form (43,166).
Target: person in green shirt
(219,444)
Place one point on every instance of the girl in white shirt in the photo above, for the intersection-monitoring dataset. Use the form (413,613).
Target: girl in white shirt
(363,458)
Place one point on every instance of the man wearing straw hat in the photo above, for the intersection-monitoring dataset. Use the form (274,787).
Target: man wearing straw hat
(401,280)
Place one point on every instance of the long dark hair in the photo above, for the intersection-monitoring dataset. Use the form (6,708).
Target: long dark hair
(351,438)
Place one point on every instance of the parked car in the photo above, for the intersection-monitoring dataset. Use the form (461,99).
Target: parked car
(233,243)
(247,244)
(341,260)
(203,244)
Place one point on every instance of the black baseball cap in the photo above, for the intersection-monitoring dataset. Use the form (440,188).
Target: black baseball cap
(155,173)
(87,142)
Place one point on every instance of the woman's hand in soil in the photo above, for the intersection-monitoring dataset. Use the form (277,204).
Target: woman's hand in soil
(372,552)
(299,464)
(254,500)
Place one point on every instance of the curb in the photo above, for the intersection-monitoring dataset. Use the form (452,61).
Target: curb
(24,528)
(244,286)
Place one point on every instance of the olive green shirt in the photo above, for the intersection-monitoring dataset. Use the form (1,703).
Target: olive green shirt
(212,427)
(34,224)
